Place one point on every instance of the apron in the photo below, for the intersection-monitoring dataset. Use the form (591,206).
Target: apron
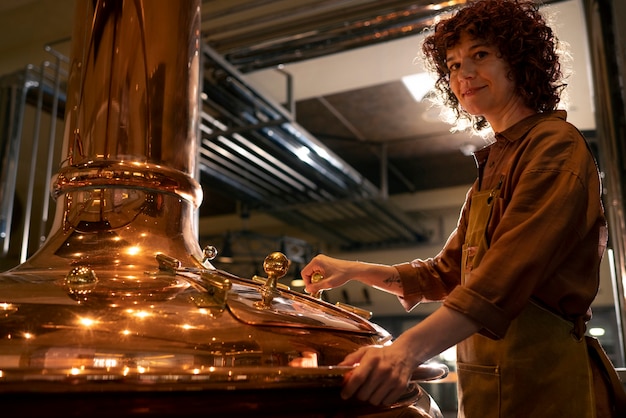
(539,369)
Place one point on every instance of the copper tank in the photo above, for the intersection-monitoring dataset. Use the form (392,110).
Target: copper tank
(121,313)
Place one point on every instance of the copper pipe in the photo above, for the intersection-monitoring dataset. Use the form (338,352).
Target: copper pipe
(126,189)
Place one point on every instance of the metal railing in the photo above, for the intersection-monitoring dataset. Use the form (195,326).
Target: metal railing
(31,113)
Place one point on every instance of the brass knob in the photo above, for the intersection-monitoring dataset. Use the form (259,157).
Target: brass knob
(315,278)
(208,253)
(81,276)
(276,266)
(80,282)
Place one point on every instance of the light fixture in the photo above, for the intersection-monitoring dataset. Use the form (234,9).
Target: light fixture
(597,332)
(419,85)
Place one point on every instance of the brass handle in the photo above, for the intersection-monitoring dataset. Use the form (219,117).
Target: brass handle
(315,278)
(363,313)
(276,266)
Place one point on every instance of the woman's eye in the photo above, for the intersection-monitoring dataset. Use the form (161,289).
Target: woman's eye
(481,54)
(453,67)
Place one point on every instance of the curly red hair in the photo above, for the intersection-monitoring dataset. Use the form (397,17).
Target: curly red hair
(523,39)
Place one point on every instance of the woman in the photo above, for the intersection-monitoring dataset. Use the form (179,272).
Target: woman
(518,274)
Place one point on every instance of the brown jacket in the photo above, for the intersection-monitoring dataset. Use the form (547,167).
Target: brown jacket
(547,233)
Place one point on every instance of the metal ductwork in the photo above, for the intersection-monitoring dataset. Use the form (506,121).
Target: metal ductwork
(254,34)
(253,149)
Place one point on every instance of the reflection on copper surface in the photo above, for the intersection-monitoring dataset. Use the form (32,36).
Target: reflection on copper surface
(308,359)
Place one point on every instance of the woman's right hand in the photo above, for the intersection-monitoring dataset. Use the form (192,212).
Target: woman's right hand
(325,272)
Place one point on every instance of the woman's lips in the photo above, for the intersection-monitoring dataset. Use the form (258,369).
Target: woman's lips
(472,91)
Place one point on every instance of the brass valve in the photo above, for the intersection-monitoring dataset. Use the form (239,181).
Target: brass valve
(276,266)
(214,287)
(317,277)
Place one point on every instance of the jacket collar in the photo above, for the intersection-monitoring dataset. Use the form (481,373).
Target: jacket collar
(518,131)
(521,128)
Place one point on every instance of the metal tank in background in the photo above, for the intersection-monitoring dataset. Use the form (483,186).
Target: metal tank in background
(120,312)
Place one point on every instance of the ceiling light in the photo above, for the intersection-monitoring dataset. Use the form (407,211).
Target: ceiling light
(597,332)
(303,154)
(419,85)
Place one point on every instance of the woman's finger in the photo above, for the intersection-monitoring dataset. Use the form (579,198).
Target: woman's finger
(357,377)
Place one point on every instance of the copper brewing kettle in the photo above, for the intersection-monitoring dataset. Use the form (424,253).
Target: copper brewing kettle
(121,313)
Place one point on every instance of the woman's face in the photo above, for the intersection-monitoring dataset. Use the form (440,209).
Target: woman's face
(479,79)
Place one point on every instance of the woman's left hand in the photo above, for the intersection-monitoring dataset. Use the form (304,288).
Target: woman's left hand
(381,374)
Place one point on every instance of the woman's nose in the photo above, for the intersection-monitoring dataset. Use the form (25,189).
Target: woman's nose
(467,70)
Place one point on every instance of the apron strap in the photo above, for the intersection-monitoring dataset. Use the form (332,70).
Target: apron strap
(580,327)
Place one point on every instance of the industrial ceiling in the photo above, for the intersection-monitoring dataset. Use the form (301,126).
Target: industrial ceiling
(327,161)
(373,141)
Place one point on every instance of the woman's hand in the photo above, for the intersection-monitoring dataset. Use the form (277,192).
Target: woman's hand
(332,272)
(381,374)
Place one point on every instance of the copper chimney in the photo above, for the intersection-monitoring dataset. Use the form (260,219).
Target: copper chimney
(126,189)
(121,313)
